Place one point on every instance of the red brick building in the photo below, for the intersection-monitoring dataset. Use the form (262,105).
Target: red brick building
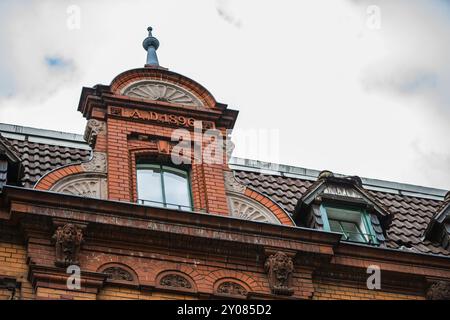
(113,210)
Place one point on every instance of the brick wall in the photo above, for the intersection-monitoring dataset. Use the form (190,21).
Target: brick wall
(13,263)
(204,276)
(208,186)
(327,290)
(120,293)
(202,273)
(58,294)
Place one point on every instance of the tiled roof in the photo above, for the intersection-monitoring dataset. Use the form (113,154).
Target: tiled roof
(40,158)
(412,207)
(411,214)
(9,161)
(42,150)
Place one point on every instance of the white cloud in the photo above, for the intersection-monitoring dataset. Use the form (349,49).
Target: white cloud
(343,97)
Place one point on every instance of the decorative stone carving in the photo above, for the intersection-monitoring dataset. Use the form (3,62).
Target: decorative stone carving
(343,191)
(279,268)
(96,164)
(85,185)
(68,239)
(175,281)
(231,288)
(231,184)
(117,273)
(439,290)
(161,91)
(229,148)
(244,208)
(93,129)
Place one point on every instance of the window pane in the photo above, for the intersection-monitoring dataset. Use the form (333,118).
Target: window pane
(358,237)
(176,187)
(348,221)
(350,227)
(334,226)
(149,184)
(352,231)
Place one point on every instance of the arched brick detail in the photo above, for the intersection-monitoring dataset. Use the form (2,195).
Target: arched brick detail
(126,78)
(192,272)
(234,280)
(49,179)
(211,280)
(281,215)
(186,276)
(146,273)
(122,266)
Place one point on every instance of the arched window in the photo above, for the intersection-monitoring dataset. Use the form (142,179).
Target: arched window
(163,186)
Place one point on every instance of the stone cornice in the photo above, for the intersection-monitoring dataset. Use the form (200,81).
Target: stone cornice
(227,230)
(38,202)
(225,117)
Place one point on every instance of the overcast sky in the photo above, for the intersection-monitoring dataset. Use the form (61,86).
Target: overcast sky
(356,87)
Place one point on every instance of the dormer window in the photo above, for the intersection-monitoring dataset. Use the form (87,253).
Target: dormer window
(341,204)
(163,186)
(352,222)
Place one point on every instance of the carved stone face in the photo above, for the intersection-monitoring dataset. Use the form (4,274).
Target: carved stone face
(69,233)
(282,267)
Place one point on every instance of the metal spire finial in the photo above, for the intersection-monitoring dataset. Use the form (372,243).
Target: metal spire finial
(151,44)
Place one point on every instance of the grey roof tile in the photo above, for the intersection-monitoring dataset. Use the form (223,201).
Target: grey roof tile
(38,158)
(411,215)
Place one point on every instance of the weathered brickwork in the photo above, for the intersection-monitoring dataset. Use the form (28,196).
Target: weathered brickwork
(5,294)
(13,264)
(127,251)
(207,179)
(58,294)
(326,290)
(119,293)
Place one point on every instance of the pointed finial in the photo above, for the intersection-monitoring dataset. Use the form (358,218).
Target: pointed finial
(151,44)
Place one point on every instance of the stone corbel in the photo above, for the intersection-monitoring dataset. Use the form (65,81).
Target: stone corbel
(279,266)
(93,129)
(68,238)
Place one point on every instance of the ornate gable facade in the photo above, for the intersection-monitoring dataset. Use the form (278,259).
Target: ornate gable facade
(134,216)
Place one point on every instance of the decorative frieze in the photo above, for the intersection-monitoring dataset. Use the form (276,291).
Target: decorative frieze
(161,118)
(279,268)
(68,239)
(161,91)
(175,281)
(244,208)
(85,185)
